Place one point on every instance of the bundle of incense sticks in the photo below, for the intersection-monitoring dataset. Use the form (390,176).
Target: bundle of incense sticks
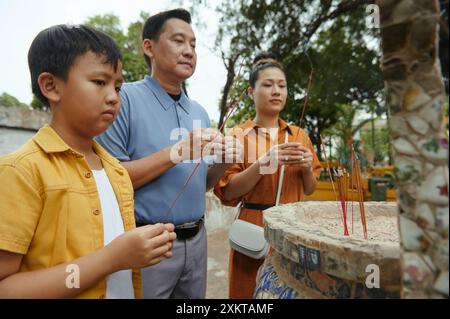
(357,173)
(230,109)
(344,222)
(342,178)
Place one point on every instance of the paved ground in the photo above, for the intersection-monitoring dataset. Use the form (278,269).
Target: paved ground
(218,252)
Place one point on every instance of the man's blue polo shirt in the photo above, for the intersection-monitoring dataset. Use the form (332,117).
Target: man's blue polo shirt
(147,119)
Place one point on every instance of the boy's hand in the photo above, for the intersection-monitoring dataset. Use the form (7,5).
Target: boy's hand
(142,247)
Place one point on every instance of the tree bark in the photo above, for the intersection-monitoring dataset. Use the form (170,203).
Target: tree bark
(230,64)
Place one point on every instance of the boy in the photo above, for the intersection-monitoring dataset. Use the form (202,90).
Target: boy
(66,205)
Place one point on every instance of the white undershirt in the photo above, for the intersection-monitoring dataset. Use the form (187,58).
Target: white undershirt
(119,285)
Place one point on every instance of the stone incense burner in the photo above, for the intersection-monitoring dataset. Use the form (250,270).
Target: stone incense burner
(311,257)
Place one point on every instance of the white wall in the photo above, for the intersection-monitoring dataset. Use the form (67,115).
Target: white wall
(12,139)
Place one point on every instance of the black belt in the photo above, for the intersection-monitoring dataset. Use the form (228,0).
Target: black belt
(256,206)
(184,231)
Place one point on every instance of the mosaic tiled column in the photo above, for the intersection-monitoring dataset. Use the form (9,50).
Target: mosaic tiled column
(415,96)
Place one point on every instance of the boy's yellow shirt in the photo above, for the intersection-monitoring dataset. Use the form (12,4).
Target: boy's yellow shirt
(50,208)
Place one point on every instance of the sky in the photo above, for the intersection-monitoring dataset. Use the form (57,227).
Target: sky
(21,21)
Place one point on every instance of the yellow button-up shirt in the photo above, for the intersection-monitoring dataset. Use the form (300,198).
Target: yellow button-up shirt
(49,205)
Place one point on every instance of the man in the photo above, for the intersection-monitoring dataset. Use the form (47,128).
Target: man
(155,111)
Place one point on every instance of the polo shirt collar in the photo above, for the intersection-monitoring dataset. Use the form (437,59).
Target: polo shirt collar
(164,98)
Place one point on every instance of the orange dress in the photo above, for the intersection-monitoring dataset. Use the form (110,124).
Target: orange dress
(243,269)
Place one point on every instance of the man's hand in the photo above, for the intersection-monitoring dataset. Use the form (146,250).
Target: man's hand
(232,151)
(200,143)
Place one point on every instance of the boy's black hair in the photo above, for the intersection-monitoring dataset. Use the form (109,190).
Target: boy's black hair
(55,49)
(153,27)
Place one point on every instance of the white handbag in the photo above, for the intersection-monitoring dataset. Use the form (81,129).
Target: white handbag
(248,238)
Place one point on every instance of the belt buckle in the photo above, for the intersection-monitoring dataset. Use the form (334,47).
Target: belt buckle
(187,233)
(190,225)
(188,230)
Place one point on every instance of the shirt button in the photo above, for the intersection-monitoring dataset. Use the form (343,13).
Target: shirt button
(96,211)
(88,174)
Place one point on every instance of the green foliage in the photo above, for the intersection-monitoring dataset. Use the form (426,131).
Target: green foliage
(129,42)
(37,105)
(214,124)
(381,147)
(342,51)
(344,153)
(246,109)
(11,101)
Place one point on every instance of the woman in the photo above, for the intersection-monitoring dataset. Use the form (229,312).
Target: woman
(254,182)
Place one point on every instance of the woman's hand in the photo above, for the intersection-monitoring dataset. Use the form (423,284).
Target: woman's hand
(303,158)
(281,154)
(291,153)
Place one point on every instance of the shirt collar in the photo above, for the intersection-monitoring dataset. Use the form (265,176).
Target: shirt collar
(50,142)
(105,156)
(285,126)
(164,98)
(249,125)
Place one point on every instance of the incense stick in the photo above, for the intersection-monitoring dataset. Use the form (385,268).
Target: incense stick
(352,187)
(331,179)
(360,194)
(305,103)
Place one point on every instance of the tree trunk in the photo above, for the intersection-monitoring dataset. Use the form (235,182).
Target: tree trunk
(229,65)
(415,96)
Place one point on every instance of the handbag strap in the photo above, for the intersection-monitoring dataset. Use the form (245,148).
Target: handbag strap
(279,186)
(280,179)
